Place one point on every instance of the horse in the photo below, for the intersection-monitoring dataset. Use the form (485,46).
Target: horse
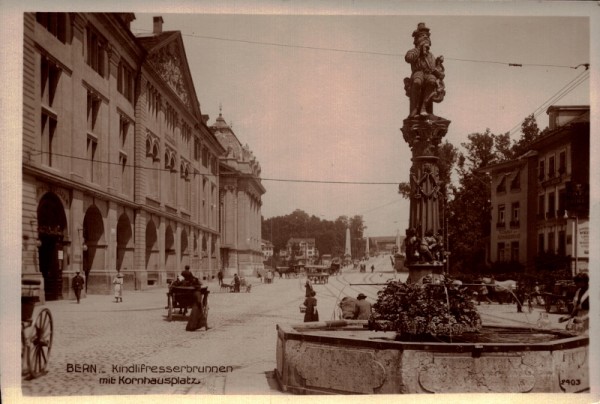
(501,291)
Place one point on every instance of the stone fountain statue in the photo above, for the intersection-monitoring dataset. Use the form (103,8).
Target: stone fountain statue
(423,131)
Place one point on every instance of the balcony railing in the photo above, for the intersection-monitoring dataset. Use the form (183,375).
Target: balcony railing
(514,223)
(500,224)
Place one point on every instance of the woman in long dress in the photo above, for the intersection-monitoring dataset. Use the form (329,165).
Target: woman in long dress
(311,313)
(118,286)
(197,317)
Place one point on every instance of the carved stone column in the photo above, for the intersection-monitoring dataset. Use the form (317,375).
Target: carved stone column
(423,135)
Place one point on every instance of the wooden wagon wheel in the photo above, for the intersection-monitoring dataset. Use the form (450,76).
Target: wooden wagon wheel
(169,307)
(205,306)
(39,344)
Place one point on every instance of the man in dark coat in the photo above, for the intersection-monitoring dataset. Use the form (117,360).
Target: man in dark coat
(236,283)
(187,275)
(77,284)
(198,315)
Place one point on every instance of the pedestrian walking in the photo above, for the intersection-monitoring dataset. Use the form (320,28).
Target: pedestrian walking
(309,289)
(372,268)
(77,285)
(311,314)
(118,286)
(363,308)
(236,283)
(197,318)
(220,277)
(269,276)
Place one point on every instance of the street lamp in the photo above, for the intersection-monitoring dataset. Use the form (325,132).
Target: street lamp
(574,238)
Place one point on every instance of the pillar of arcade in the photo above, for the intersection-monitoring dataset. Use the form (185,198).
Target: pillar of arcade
(423,131)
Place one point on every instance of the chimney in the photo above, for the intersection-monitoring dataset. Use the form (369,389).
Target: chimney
(158,22)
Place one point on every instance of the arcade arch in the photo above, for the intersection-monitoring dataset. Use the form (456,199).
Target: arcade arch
(94,246)
(52,228)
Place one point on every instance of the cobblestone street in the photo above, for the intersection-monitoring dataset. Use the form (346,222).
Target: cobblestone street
(97,342)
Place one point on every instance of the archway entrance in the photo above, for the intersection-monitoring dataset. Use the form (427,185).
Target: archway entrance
(124,250)
(185,257)
(52,227)
(170,253)
(93,246)
(151,246)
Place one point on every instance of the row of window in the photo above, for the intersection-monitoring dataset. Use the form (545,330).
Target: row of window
(552,246)
(49,81)
(508,252)
(515,210)
(552,170)
(96,51)
(550,211)
(515,183)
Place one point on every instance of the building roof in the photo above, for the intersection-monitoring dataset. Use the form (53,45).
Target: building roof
(299,240)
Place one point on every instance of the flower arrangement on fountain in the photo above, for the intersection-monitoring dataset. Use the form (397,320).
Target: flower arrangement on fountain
(428,309)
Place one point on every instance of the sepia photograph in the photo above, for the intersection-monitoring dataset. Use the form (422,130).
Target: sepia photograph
(273,200)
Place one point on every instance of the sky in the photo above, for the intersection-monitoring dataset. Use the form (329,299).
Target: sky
(321,98)
(315,88)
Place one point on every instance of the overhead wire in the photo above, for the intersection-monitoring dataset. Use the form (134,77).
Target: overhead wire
(319,48)
(567,88)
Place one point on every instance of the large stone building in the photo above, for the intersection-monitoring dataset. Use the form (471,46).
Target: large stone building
(120,171)
(240,202)
(540,201)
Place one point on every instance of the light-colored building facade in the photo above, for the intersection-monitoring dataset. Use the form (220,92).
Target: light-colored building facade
(240,202)
(267,249)
(307,249)
(563,178)
(513,207)
(540,201)
(114,175)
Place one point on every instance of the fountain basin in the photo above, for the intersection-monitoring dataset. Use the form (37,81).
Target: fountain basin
(342,357)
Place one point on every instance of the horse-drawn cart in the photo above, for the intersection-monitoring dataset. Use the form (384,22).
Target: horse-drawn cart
(36,330)
(181,298)
(317,273)
(561,297)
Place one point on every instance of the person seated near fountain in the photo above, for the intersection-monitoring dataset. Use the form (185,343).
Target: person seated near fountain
(579,317)
(348,306)
(363,308)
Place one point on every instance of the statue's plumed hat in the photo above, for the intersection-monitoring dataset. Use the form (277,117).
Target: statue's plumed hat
(420,28)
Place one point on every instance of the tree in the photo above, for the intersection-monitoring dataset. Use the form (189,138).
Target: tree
(330,236)
(530,132)
(469,215)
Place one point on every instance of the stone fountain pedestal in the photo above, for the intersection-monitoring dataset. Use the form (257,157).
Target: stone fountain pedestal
(416,272)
